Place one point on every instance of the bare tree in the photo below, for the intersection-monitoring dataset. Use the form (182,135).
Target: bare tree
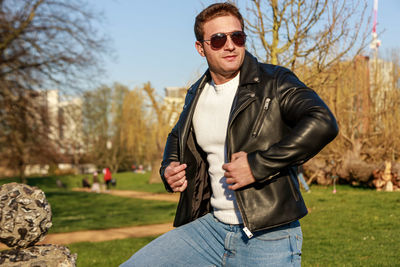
(43,44)
(104,125)
(365,101)
(160,127)
(96,124)
(117,149)
(307,36)
(25,133)
(136,129)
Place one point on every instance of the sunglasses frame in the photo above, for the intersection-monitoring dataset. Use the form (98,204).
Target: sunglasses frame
(225,36)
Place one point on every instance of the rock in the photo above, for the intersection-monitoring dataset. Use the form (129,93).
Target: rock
(25,215)
(389,186)
(38,256)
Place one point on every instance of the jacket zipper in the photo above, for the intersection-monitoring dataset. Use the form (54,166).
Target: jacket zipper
(245,222)
(229,154)
(246,229)
(244,105)
(258,123)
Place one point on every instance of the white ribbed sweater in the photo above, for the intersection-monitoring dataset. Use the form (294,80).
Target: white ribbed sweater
(210,121)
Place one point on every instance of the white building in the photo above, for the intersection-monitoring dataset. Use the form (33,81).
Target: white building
(66,121)
(384,77)
(174,100)
(65,129)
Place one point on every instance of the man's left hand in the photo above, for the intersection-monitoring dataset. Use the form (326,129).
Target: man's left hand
(237,172)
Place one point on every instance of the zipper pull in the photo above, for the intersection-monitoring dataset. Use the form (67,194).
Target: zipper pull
(267,103)
(247,232)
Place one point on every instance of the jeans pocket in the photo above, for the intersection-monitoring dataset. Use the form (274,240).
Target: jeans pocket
(280,246)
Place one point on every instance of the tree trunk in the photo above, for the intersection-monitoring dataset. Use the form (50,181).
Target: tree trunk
(22,176)
(155,175)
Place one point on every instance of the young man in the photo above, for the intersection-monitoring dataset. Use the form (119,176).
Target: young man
(244,128)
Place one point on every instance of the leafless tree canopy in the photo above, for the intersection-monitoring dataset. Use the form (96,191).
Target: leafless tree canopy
(46,41)
(312,33)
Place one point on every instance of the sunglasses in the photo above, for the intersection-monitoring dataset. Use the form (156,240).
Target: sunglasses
(218,40)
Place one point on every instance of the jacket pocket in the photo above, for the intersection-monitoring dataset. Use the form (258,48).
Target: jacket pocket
(259,120)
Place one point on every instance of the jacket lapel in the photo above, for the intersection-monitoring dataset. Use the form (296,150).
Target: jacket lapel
(249,75)
(188,110)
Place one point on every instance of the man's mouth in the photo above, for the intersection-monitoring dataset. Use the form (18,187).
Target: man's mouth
(230,57)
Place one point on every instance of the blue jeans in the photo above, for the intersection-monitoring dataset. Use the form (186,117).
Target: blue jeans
(208,242)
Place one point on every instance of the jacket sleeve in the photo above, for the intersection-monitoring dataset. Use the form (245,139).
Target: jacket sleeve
(312,125)
(171,150)
(170,154)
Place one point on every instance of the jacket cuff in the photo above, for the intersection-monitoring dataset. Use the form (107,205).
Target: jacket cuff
(166,185)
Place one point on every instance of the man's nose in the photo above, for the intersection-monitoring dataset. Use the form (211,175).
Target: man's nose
(229,45)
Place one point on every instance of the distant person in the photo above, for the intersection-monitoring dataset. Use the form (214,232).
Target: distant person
(113,182)
(60,184)
(140,169)
(107,177)
(96,184)
(301,178)
(85,183)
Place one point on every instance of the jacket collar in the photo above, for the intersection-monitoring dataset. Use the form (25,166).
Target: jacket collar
(249,72)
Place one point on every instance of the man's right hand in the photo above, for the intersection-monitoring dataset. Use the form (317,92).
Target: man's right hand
(175,175)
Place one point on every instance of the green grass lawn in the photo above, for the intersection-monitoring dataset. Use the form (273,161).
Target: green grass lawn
(354,227)
(73,211)
(110,253)
(125,181)
(137,182)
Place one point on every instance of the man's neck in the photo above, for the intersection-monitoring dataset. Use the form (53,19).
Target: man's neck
(221,79)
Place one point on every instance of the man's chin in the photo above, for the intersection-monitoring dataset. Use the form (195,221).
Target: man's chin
(232,69)
(231,73)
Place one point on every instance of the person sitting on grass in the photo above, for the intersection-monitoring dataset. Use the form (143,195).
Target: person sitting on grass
(96,185)
(85,183)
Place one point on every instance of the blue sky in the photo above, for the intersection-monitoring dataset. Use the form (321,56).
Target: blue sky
(153,40)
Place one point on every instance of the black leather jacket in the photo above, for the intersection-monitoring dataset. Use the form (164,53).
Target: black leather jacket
(279,122)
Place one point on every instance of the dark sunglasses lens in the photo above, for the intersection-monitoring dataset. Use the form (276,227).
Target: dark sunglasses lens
(218,40)
(239,38)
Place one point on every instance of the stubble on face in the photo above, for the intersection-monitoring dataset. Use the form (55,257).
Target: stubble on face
(224,63)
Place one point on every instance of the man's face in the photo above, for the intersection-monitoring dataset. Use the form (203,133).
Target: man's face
(224,63)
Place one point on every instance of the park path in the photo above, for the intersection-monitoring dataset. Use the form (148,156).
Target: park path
(138,194)
(104,235)
(107,234)
(113,233)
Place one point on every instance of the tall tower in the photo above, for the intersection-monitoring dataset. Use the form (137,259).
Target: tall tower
(375,42)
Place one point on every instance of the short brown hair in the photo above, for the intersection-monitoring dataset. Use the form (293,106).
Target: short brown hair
(213,11)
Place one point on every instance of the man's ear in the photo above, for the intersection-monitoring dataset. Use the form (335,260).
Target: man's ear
(200,48)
